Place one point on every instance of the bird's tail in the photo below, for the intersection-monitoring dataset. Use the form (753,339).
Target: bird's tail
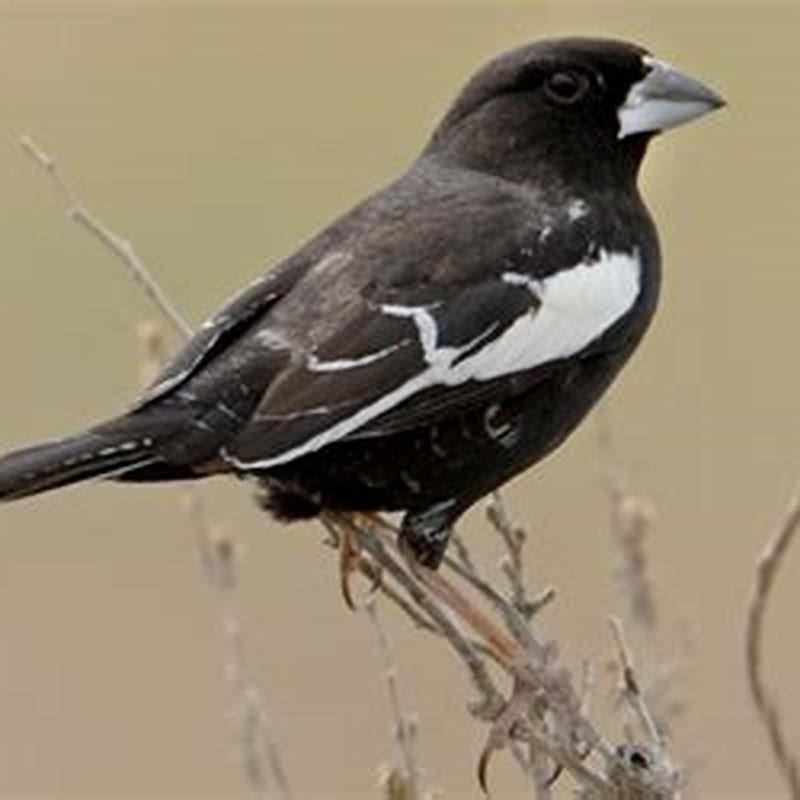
(102,452)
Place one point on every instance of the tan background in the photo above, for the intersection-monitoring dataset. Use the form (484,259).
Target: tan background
(219,135)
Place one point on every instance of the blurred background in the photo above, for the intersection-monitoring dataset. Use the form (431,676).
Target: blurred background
(217,136)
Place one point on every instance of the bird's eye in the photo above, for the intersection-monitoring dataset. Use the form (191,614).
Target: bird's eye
(566,87)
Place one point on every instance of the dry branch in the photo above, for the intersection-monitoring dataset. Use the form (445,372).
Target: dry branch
(545,708)
(78,212)
(258,748)
(405,726)
(631,521)
(768,709)
(632,691)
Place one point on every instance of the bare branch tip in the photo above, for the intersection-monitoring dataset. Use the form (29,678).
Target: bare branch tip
(33,150)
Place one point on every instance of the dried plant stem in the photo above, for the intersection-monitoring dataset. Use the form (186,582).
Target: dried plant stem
(512,618)
(768,709)
(632,690)
(545,709)
(512,565)
(258,748)
(492,700)
(631,521)
(404,726)
(78,212)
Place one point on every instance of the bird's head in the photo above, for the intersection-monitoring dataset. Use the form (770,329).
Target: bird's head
(583,108)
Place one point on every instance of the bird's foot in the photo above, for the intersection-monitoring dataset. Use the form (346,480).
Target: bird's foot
(514,716)
(347,530)
(349,562)
(508,650)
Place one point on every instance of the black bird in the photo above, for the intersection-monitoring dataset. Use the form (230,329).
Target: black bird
(442,336)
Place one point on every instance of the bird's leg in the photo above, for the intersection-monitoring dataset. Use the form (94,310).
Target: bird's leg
(527,668)
(424,535)
(523,660)
(423,539)
(513,651)
(508,652)
(504,647)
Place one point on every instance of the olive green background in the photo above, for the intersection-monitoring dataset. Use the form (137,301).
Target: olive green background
(217,136)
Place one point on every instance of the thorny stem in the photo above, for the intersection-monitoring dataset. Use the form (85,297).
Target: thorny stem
(631,519)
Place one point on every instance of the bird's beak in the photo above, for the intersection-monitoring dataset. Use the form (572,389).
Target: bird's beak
(663,99)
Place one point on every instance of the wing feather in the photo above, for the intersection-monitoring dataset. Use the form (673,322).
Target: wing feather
(386,364)
(226,327)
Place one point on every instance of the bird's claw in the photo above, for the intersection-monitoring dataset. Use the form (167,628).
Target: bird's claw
(352,560)
(514,713)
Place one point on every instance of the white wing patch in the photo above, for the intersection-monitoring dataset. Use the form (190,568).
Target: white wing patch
(574,308)
(577,306)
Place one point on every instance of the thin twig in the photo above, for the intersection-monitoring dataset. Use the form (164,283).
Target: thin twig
(404,728)
(586,687)
(514,538)
(546,711)
(767,567)
(632,690)
(260,754)
(632,519)
(571,737)
(491,699)
(79,213)
(462,551)
(512,618)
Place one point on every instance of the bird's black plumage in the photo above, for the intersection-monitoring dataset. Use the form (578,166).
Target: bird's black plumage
(442,336)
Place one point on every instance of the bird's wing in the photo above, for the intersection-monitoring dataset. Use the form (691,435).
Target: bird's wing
(434,304)
(436,294)
(220,331)
(378,359)
(387,366)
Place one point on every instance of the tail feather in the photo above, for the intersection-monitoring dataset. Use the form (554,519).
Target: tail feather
(77,458)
